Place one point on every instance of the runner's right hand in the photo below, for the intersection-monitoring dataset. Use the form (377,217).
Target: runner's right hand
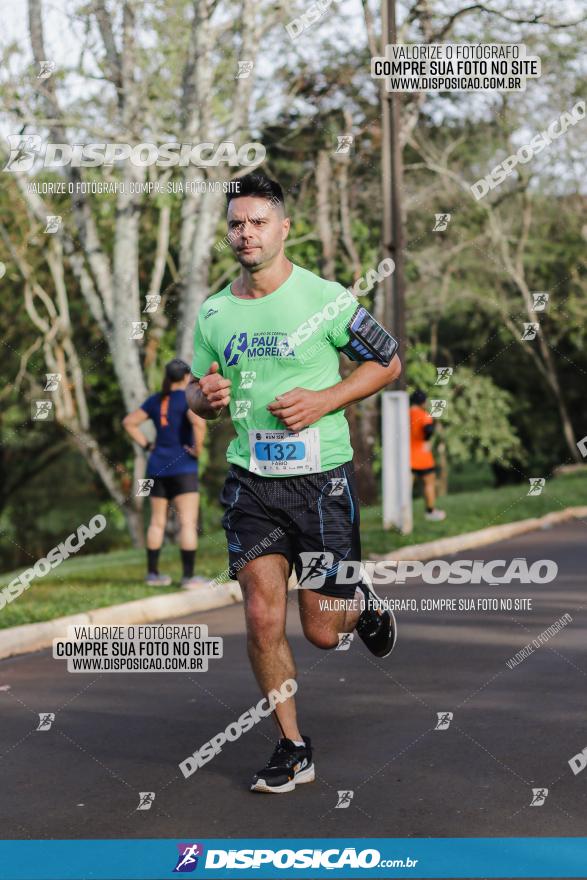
(215,388)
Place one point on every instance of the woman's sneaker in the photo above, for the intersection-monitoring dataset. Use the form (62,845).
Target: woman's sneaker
(157,580)
(194,582)
(288,766)
(376,626)
(435,515)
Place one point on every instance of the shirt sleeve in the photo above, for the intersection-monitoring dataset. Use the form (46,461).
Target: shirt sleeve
(204,354)
(340,305)
(150,406)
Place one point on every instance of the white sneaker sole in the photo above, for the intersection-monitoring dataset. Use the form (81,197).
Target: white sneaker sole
(306,775)
(195,583)
(394,643)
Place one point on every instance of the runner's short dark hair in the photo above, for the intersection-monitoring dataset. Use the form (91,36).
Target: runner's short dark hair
(256,184)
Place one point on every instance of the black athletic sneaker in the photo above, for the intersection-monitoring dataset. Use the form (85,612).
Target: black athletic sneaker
(376,626)
(288,766)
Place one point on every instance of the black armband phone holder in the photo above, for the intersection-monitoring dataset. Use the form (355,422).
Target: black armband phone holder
(369,340)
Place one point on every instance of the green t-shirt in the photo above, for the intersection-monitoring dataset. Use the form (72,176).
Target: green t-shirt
(268,346)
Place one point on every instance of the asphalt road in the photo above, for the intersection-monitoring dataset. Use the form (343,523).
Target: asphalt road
(372,722)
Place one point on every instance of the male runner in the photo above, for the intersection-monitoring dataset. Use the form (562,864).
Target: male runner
(267,346)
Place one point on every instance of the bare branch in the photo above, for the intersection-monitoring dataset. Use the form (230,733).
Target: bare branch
(370,26)
(24,361)
(112,55)
(481,7)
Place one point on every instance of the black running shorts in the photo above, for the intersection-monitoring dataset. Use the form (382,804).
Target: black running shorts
(312,520)
(178,484)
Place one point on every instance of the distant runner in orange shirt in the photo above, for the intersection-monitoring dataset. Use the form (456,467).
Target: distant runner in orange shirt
(422,461)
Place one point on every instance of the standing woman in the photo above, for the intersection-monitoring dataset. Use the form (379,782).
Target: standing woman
(173,465)
(422,460)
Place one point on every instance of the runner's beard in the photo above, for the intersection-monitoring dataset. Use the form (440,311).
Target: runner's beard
(251,260)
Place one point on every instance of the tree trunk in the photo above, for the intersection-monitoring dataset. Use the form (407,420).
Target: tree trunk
(324,213)
(554,383)
(362,419)
(135,526)
(105,260)
(201,219)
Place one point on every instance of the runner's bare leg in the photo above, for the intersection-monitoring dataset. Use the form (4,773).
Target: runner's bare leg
(264,585)
(322,626)
(430,490)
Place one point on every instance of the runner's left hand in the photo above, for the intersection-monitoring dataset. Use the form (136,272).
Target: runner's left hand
(299,408)
(191,450)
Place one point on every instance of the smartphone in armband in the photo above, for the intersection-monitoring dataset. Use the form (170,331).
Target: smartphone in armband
(369,341)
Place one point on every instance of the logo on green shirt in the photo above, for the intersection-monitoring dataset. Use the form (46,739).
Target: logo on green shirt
(261,346)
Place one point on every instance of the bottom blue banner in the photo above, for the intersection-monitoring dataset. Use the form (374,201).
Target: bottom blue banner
(304,858)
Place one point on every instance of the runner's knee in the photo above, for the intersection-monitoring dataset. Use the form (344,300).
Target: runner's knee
(320,636)
(265,621)
(323,639)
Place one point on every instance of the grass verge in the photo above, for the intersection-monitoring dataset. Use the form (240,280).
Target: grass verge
(97,580)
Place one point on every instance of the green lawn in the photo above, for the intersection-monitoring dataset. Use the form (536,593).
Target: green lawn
(93,581)
(469,511)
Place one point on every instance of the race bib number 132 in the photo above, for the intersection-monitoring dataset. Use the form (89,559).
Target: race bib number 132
(282,452)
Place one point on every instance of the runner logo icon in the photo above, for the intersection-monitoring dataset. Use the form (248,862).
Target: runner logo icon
(52,383)
(345,142)
(437,408)
(539,795)
(315,566)
(231,356)
(187,860)
(152,302)
(46,719)
(441,222)
(444,374)
(539,301)
(247,378)
(537,484)
(242,408)
(444,719)
(42,410)
(344,799)
(146,799)
(23,152)
(530,331)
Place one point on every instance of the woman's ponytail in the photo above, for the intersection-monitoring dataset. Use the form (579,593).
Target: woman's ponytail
(175,370)
(166,387)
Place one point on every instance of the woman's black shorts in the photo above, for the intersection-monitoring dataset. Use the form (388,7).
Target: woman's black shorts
(178,484)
